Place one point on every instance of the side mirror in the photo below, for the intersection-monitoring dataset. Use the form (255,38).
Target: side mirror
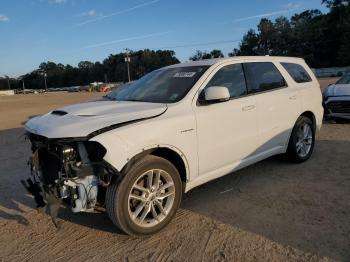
(214,94)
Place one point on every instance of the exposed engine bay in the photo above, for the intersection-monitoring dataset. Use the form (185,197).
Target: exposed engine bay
(67,171)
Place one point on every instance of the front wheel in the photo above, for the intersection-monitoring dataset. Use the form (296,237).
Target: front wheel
(302,140)
(147,198)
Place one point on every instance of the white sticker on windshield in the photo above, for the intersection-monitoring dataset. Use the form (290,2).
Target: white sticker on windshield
(185,74)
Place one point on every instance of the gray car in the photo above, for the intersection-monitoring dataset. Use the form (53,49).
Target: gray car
(336,99)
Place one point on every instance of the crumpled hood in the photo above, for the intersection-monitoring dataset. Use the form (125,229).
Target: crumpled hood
(80,120)
(337,90)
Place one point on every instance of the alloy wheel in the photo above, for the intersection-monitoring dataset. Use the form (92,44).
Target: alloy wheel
(151,198)
(304,140)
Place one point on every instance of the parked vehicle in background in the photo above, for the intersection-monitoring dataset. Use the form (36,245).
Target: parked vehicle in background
(336,99)
(84,88)
(146,143)
(73,89)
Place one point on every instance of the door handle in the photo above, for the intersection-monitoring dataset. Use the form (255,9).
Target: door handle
(294,97)
(247,108)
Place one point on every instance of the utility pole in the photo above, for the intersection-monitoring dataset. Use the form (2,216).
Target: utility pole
(45,75)
(127,60)
(8,82)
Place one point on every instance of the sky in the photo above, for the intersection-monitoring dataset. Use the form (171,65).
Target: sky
(70,31)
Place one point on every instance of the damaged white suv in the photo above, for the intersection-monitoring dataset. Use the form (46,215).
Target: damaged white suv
(141,147)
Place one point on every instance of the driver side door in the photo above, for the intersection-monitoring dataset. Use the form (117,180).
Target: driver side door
(226,131)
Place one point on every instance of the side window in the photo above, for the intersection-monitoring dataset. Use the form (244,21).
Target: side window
(297,72)
(232,77)
(263,76)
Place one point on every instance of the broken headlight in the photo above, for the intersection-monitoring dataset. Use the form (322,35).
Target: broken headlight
(68,153)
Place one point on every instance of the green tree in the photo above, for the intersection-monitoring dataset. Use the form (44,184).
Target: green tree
(113,68)
(266,34)
(248,46)
(335,3)
(321,39)
(201,55)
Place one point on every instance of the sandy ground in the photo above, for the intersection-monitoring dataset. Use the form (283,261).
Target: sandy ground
(271,211)
(327,81)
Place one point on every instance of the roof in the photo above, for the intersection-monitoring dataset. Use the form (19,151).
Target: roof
(210,62)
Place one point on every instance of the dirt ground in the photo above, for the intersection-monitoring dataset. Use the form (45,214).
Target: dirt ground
(324,82)
(271,211)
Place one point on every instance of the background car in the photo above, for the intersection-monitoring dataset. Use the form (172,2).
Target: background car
(336,99)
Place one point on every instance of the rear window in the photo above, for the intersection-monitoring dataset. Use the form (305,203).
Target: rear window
(263,76)
(297,72)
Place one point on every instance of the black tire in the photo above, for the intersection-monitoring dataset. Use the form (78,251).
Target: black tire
(292,154)
(117,196)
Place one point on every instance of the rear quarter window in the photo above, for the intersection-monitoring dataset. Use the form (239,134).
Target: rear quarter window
(263,76)
(297,72)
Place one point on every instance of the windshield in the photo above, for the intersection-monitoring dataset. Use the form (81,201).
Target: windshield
(345,80)
(168,85)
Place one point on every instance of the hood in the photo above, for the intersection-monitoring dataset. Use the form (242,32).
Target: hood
(80,120)
(337,90)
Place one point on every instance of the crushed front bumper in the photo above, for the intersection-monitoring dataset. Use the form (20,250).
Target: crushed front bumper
(337,107)
(67,171)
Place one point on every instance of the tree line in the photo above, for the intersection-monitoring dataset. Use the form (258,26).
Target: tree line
(323,40)
(112,69)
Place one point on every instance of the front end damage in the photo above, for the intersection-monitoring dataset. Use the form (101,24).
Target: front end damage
(67,171)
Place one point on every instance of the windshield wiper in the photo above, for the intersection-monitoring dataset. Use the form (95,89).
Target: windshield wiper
(133,100)
(109,97)
(124,100)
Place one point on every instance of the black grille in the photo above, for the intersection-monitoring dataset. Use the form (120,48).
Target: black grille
(339,106)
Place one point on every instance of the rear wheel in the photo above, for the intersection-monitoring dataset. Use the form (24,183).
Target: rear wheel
(147,198)
(302,140)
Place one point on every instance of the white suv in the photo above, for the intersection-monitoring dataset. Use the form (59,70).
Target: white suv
(137,150)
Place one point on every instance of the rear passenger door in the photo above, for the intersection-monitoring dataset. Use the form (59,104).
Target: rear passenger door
(278,105)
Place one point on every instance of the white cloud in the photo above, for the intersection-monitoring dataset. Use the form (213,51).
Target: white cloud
(118,12)
(58,1)
(280,12)
(127,39)
(4,18)
(290,7)
(90,13)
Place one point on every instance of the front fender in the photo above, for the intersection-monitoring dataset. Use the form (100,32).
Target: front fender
(119,153)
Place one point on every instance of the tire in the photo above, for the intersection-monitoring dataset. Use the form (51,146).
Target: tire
(298,151)
(126,204)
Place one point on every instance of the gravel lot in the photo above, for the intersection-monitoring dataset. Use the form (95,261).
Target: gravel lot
(271,211)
